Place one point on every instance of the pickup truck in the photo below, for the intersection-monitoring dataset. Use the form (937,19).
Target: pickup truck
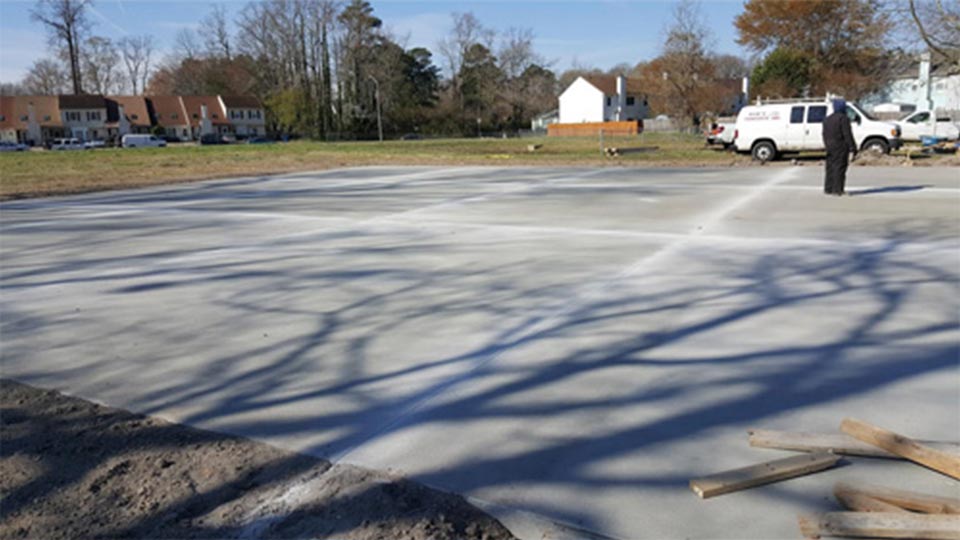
(920,124)
(721,132)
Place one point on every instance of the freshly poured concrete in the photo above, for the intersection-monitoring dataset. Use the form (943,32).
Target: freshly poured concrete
(566,346)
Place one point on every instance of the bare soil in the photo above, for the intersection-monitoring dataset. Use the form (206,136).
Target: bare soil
(73,469)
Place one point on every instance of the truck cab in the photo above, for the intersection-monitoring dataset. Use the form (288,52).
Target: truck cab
(927,124)
(770,128)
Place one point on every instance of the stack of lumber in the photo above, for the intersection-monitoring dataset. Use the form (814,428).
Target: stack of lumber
(872,511)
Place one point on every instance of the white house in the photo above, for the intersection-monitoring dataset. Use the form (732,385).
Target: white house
(926,85)
(602,98)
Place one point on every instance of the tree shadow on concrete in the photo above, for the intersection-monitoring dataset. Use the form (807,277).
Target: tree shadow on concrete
(371,343)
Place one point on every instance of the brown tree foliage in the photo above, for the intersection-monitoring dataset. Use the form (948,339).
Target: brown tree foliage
(845,39)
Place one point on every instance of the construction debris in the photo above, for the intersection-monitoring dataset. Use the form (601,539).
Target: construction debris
(762,473)
(881,525)
(903,446)
(874,511)
(909,500)
(838,443)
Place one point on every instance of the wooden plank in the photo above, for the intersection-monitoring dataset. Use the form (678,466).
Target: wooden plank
(903,446)
(881,525)
(910,500)
(837,443)
(761,473)
(858,502)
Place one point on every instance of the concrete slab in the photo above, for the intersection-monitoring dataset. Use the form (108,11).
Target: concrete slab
(569,346)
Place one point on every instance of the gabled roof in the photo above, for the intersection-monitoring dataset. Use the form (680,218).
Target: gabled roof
(15,108)
(192,106)
(168,111)
(241,102)
(82,102)
(134,108)
(608,84)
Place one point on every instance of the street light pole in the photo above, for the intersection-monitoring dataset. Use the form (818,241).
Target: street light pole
(376,85)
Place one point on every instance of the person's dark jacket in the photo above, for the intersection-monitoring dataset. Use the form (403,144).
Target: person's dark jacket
(837,134)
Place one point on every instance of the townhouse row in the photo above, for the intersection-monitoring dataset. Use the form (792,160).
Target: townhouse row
(35,120)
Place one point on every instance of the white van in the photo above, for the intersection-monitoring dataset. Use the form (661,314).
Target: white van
(131,140)
(769,128)
(67,144)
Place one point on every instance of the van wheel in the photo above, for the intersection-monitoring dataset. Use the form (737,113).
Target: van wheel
(763,151)
(876,146)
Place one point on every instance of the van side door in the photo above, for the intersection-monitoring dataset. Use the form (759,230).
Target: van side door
(793,140)
(813,136)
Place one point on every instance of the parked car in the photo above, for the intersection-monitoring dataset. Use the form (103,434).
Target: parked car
(721,132)
(67,144)
(411,137)
(770,128)
(921,124)
(94,144)
(12,147)
(135,140)
(211,138)
(259,140)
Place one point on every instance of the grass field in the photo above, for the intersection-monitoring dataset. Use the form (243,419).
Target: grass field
(40,173)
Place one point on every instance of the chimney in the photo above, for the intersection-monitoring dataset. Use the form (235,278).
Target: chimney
(621,98)
(745,89)
(123,125)
(34,133)
(203,111)
(925,80)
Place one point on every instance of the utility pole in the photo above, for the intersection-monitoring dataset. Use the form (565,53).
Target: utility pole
(376,85)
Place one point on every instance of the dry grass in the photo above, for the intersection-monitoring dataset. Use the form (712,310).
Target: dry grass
(41,173)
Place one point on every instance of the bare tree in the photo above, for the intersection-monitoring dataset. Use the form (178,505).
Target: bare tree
(467,31)
(217,37)
(136,52)
(12,89)
(186,45)
(100,61)
(938,23)
(67,22)
(46,77)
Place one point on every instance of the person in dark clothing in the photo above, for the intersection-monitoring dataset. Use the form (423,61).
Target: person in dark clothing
(838,138)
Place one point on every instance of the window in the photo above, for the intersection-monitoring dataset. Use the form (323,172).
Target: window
(23,118)
(46,118)
(92,116)
(922,117)
(195,116)
(215,115)
(134,117)
(816,114)
(173,116)
(73,116)
(796,115)
(630,101)
(609,101)
(2,118)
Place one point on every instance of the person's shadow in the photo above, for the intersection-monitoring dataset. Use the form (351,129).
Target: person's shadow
(888,189)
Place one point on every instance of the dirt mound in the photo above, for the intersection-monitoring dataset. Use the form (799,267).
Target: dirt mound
(73,469)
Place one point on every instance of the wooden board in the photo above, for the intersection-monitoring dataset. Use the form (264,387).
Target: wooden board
(858,502)
(762,473)
(910,500)
(838,443)
(903,446)
(882,525)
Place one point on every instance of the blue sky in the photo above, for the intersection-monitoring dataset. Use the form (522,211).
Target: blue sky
(596,33)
